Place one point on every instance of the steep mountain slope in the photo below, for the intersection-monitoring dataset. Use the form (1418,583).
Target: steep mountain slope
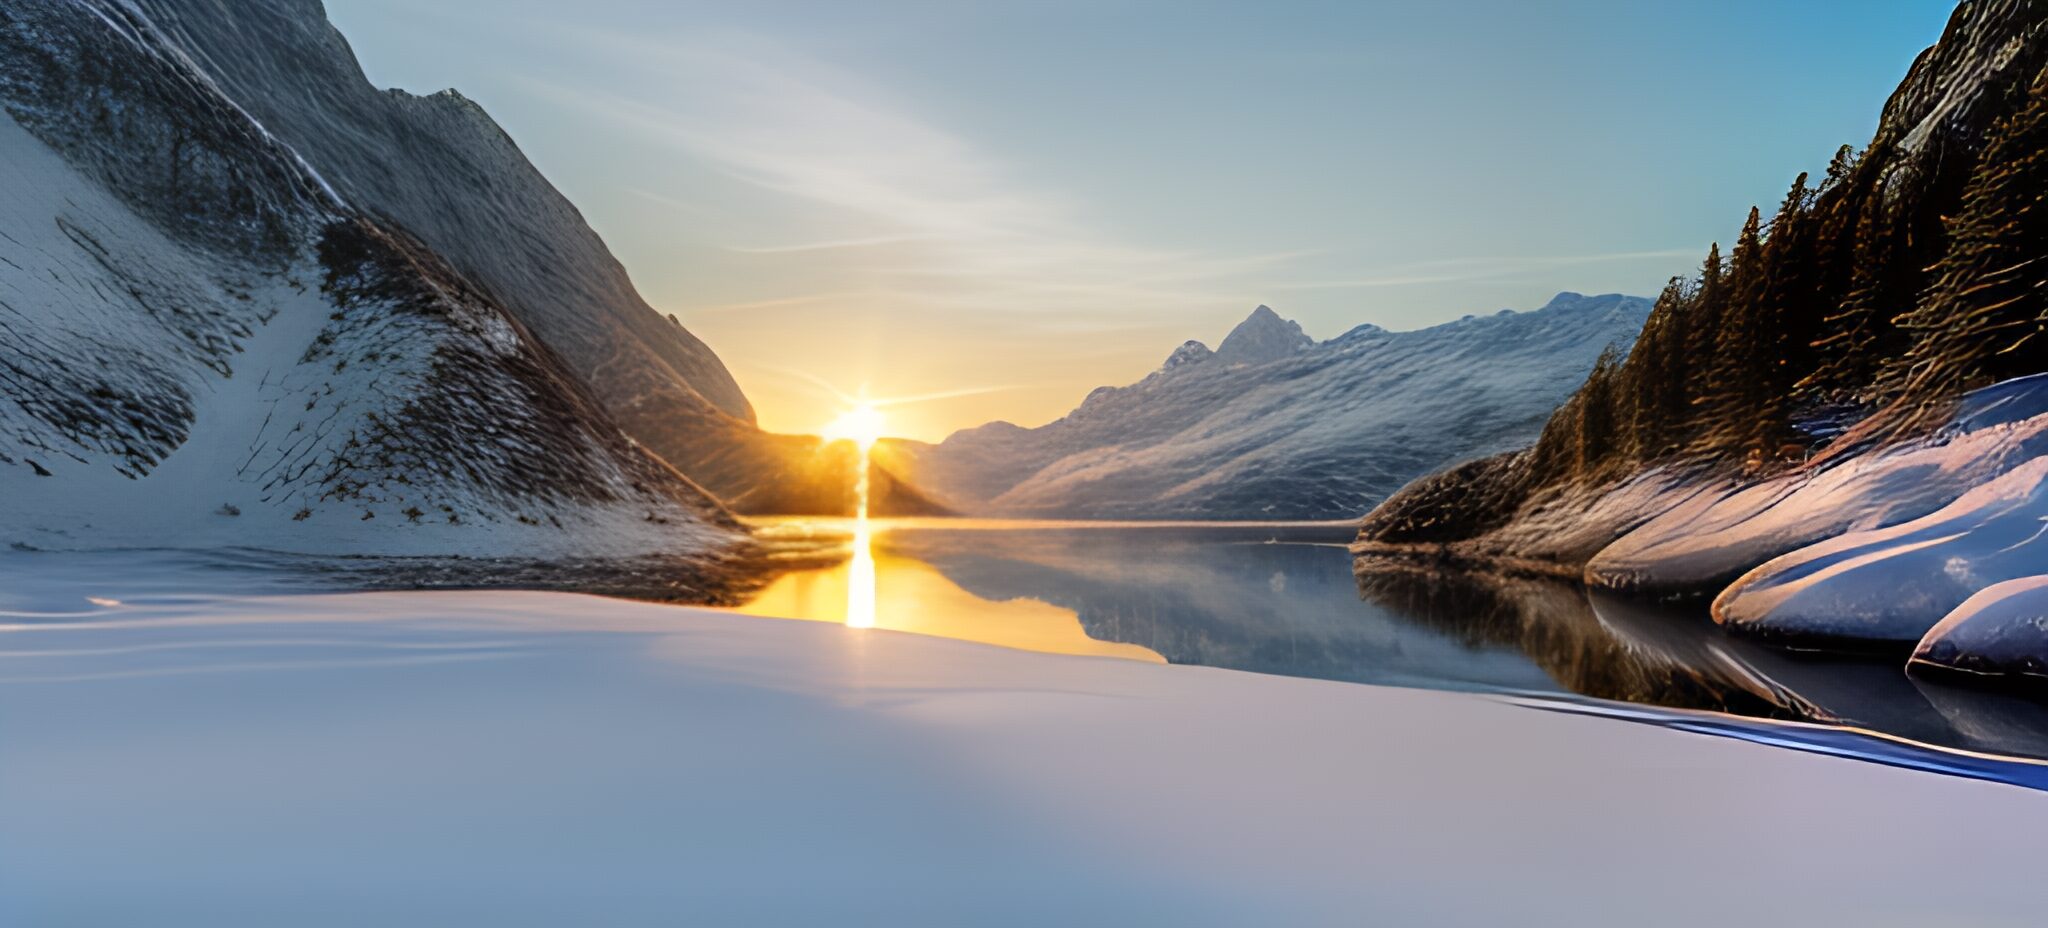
(203,341)
(440,168)
(1859,367)
(1274,425)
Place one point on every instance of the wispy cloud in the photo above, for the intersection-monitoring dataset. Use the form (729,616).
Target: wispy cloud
(824,388)
(871,241)
(929,210)
(1460,270)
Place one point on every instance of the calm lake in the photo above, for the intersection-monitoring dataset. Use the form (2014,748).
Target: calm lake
(1283,599)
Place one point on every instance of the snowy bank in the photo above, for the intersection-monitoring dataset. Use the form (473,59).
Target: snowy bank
(536,759)
(1891,585)
(1704,538)
(2000,633)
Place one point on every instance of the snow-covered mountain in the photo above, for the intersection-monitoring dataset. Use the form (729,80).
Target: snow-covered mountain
(1275,425)
(208,338)
(441,169)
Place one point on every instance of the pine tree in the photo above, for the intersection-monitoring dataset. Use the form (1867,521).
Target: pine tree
(1654,376)
(1983,318)
(1598,419)
(1786,311)
(1702,330)
(1838,209)
(1731,370)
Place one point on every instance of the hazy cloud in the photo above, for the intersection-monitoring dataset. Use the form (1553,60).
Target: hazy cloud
(933,214)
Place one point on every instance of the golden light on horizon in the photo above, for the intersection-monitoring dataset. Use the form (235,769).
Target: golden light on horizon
(860,576)
(861,425)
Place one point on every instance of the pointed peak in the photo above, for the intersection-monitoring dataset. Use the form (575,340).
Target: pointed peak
(1189,352)
(1263,336)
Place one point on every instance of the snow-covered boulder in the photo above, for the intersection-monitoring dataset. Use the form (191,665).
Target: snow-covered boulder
(1891,585)
(1999,635)
(1711,532)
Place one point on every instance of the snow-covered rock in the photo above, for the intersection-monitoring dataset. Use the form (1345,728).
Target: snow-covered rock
(1276,426)
(1708,530)
(1999,634)
(1891,585)
(202,342)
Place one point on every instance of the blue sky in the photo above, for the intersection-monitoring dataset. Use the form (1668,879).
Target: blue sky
(1018,202)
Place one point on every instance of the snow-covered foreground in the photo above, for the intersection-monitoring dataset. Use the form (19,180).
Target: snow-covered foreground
(539,759)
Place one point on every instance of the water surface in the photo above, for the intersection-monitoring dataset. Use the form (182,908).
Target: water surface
(1282,598)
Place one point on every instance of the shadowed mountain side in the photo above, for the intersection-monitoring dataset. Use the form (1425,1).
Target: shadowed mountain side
(440,167)
(203,345)
(763,473)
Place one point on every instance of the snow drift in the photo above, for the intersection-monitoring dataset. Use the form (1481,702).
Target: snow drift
(1892,585)
(1708,532)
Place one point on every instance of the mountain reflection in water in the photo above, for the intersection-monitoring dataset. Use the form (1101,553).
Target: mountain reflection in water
(1284,599)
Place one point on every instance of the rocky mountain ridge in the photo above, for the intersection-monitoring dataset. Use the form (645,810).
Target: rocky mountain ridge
(205,341)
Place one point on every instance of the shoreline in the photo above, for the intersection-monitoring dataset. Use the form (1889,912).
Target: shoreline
(676,755)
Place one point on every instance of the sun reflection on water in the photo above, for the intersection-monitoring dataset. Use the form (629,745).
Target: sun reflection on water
(880,587)
(861,425)
(860,571)
(876,587)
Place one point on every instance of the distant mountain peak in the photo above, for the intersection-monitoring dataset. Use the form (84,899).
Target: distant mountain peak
(1263,336)
(1189,352)
(1564,297)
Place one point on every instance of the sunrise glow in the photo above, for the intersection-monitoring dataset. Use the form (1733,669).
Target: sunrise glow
(861,425)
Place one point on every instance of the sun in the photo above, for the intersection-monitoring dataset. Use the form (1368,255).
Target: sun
(861,425)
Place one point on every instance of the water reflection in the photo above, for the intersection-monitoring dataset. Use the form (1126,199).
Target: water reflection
(1285,600)
(876,586)
(860,574)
